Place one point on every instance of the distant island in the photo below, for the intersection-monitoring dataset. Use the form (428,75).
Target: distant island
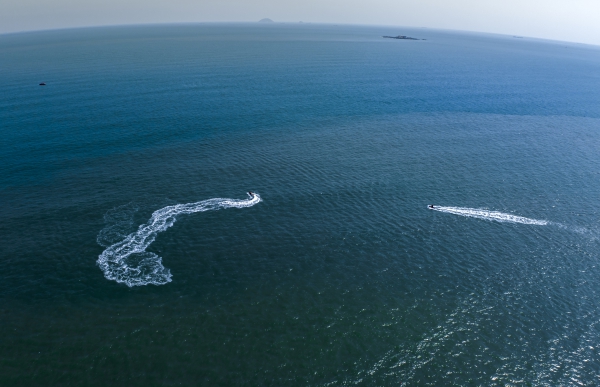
(265,20)
(402,37)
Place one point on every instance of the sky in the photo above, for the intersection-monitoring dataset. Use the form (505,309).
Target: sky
(572,20)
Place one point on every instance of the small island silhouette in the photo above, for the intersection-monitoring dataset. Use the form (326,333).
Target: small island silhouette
(265,20)
(402,37)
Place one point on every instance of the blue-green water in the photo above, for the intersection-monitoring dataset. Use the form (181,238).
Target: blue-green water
(340,275)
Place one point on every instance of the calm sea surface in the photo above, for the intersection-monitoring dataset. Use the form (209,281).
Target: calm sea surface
(120,265)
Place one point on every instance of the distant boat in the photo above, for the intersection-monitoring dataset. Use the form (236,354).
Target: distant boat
(43,84)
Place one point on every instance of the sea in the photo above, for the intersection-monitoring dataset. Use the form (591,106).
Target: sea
(132,254)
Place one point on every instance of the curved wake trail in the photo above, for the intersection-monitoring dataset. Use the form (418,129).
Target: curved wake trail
(128,261)
(490,215)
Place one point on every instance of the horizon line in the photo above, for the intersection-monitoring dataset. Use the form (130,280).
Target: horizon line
(258,22)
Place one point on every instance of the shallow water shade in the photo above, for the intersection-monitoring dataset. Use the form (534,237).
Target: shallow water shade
(340,275)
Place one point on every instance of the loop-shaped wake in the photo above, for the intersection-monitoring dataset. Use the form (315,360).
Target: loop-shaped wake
(489,215)
(128,261)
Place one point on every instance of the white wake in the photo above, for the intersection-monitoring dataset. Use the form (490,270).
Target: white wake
(489,215)
(128,261)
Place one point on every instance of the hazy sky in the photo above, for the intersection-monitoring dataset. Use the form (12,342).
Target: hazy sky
(572,20)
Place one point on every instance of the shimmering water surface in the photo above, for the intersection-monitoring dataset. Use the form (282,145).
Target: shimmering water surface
(119,265)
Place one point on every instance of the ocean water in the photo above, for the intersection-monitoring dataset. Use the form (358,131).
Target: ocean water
(131,255)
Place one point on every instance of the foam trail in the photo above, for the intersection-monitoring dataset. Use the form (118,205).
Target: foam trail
(490,215)
(128,261)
